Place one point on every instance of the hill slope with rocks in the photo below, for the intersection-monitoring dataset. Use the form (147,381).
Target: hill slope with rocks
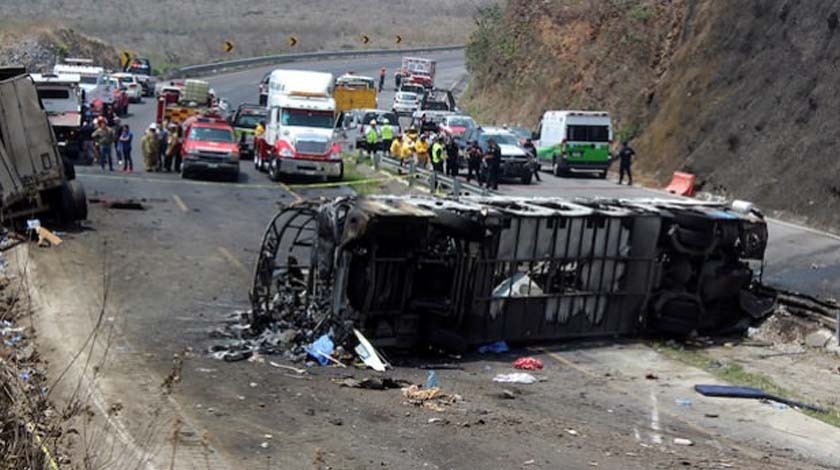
(741,93)
(38,48)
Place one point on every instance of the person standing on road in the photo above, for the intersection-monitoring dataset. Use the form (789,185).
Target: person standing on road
(438,156)
(86,137)
(381,79)
(173,150)
(452,157)
(116,130)
(372,138)
(395,149)
(474,162)
(493,157)
(149,145)
(387,133)
(125,141)
(625,156)
(421,149)
(104,139)
(407,146)
(531,150)
(163,140)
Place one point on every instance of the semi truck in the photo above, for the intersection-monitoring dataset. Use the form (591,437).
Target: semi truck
(98,89)
(34,178)
(575,141)
(299,138)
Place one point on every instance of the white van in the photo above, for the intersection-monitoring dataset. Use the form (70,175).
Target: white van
(92,79)
(571,141)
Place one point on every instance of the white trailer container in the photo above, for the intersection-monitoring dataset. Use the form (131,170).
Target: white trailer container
(301,117)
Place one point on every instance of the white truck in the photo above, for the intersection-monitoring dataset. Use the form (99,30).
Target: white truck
(299,138)
(94,81)
(62,100)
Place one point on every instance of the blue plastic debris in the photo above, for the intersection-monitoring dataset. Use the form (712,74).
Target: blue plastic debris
(498,347)
(321,349)
(432,379)
(24,376)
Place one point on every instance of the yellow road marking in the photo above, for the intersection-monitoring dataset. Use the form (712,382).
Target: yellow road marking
(180,181)
(288,189)
(180,203)
(566,362)
(233,260)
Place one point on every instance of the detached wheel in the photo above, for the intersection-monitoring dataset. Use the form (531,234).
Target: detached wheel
(79,198)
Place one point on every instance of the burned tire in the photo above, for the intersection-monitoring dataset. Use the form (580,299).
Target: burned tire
(79,198)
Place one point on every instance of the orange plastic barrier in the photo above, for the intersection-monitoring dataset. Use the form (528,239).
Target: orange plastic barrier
(682,184)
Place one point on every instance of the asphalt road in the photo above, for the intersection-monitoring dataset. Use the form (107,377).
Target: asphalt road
(184,264)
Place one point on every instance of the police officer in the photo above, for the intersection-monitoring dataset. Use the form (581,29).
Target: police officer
(493,157)
(452,151)
(531,150)
(474,161)
(625,156)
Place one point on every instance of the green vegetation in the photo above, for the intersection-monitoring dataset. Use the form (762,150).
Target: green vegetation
(737,375)
(355,177)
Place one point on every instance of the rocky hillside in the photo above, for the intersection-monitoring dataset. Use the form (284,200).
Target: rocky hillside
(40,47)
(741,93)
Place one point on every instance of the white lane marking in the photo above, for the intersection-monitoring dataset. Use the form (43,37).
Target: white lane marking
(655,436)
(180,203)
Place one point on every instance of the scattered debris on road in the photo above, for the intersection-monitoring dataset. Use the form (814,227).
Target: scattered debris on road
(126,204)
(430,398)
(517,378)
(528,363)
(730,391)
(372,383)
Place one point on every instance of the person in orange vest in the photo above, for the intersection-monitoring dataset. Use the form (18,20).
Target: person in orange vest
(381,79)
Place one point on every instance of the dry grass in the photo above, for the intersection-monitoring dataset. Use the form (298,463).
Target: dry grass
(191,31)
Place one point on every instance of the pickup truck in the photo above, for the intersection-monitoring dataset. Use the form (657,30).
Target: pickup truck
(244,121)
(62,100)
(516,164)
(209,146)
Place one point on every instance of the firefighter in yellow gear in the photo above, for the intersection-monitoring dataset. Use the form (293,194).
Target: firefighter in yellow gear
(421,148)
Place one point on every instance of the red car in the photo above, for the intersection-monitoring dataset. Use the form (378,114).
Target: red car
(120,105)
(209,146)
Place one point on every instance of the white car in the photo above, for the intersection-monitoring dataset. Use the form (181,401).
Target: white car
(133,87)
(406,103)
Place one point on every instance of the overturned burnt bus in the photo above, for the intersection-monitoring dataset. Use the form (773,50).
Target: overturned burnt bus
(408,271)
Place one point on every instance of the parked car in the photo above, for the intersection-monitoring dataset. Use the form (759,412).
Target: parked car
(141,68)
(416,88)
(132,86)
(354,123)
(244,121)
(209,146)
(456,125)
(516,164)
(120,103)
(429,121)
(405,103)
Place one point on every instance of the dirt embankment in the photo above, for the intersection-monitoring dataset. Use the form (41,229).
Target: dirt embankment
(38,48)
(741,93)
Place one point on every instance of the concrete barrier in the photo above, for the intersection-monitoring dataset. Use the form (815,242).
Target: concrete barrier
(682,184)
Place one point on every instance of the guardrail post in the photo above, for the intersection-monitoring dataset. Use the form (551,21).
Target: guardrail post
(412,170)
(433,182)
(376,163)
(456,187)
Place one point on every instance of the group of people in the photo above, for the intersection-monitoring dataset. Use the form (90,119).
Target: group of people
(162,147)
(104,138)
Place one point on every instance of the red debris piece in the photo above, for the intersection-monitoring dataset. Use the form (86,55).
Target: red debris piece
(528,363)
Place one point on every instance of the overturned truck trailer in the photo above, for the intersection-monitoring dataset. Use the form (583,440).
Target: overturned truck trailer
(412,270)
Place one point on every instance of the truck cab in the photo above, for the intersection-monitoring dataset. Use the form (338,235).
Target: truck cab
(94,82)
(62,100)
(575,141)
(301,116)
(244,122)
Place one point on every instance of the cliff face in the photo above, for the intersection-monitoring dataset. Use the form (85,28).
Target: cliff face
(38,48)
(741,93)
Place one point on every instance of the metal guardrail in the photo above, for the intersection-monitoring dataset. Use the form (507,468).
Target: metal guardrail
(431,180)
(201,69)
